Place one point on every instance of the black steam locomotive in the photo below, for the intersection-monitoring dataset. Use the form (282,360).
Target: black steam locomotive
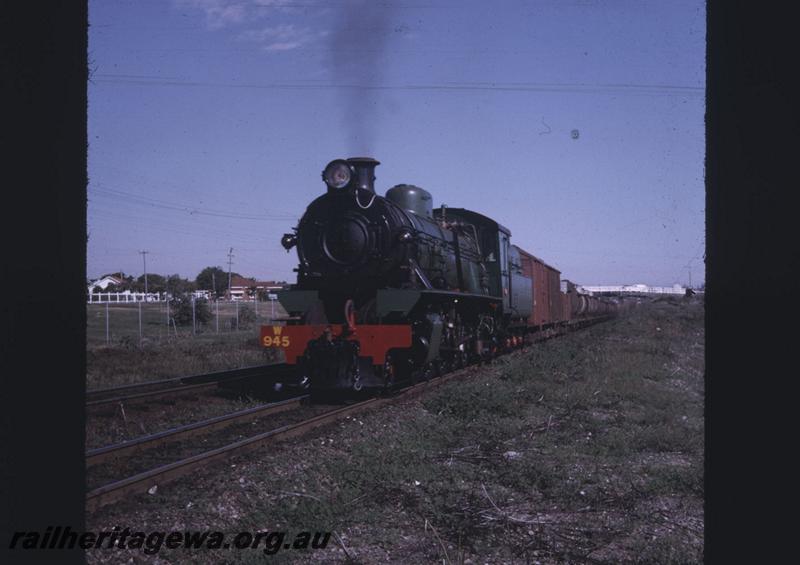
(390,290)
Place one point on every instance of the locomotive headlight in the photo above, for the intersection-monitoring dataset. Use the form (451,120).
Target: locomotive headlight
(337,174)
(288,241)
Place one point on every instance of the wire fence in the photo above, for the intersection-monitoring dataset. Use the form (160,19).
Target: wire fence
(140,322)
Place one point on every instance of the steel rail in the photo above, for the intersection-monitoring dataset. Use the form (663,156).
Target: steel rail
(204,377)
(143,384)
(101,454)
(215,379)
(144,481)
(153,393)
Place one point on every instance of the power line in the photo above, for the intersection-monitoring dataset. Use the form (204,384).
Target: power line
(121,206)
(158,187)
(188,208)
(578,88)
(195,232)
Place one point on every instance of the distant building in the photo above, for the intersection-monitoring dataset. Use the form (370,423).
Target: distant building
(638,288)
(242,287)
(103,283)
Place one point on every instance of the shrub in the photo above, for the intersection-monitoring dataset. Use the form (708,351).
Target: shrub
(247,317)
(181,310)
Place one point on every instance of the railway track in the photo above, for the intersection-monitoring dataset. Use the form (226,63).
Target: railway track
(175,386)
(128,448)
(143,482)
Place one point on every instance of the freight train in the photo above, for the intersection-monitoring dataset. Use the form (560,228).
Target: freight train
(391,290)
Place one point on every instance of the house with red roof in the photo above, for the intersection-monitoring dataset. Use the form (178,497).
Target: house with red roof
(244,288)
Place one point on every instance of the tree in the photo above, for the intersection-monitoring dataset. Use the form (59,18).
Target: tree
(213,279)
(155,283)
(177,286)
(181,309)
(247,317)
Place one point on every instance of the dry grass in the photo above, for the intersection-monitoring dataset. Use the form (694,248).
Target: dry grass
(122,322)
(125,359)
(588,448)
(123,364)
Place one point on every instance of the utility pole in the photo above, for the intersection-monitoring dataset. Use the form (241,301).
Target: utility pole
(144,259)
(230,262)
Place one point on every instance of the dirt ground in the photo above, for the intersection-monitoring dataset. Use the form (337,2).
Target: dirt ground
(583,449)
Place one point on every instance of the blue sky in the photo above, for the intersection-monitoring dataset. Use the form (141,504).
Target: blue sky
(210,121)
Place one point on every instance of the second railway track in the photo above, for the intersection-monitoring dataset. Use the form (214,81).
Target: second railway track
(126,448)
(143,482)
(177,386)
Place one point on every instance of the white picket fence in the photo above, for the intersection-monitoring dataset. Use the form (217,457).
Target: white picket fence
(123,297)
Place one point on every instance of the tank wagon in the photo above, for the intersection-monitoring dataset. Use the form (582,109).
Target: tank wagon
(391,289)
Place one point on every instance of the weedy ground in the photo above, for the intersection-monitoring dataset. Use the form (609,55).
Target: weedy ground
(585,448)
(128,362)
(160,354)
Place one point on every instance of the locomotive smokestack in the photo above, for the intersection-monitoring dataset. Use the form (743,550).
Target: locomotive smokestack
(364,172)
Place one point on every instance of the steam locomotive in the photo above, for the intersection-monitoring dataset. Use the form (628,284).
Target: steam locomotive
(391,291)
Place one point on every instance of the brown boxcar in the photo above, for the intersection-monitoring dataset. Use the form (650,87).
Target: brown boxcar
(534,269)
(554,287)
(566,307)
(571,304)
(547,306)
(591,308)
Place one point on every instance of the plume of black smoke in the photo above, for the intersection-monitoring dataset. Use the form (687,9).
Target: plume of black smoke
(358,60)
